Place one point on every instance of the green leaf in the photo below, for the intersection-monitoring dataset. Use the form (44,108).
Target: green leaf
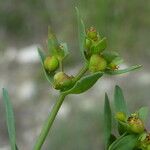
(128,142)
(120,106)
(117,61)
(10,119)
(52,42)
(119,101)
(110,55)
(107,121)
(84,83)
(65,49)
(49,76)
(117,72)
(143,113)
(81,33)
(54,46)
(100,46)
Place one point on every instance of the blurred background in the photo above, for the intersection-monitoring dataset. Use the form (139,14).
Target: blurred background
(23,28)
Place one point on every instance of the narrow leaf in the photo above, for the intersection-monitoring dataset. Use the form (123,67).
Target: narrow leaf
(143,113)
(107,121)
(52,42)
(81,33)
(119,101)
(116,72)
(10,119)
(48,76)
(128,142)
(84,83)
(120,106)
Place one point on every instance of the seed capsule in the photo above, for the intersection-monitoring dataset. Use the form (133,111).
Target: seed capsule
(136,125)
(62,81)
(92,34)
(97,63)
(51,63)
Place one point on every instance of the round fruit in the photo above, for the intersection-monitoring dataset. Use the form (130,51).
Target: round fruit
(97,63)
(51,63)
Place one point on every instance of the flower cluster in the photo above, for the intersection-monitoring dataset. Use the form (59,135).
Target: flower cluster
(99,58)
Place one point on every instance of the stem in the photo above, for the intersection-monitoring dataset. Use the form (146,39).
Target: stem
(81,72)
(48,123)
(61,65)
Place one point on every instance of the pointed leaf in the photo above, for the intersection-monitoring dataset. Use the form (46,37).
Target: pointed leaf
(65,49)
(128,142)
(81,33)
(116,72)
(100,46)
(110,55)
(49,76)
(107,121)
(54,46)
(119,101)
(120,106)
(117,61)
(10,119)
(143,113)
(52,42)
(84,83)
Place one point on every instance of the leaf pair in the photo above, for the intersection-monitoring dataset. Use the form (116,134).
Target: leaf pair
(124,142)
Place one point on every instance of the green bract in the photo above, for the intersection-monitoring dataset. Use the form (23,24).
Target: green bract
(121,116)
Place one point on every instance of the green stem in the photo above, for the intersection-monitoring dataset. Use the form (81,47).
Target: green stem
(81,72)
(61,65)
(48,123)
(53,113)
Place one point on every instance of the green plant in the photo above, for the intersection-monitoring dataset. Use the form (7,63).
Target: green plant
(97,62)
(131,128)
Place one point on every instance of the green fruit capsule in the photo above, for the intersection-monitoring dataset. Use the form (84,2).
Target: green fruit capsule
(97,63)
(121,116)
(51,63)
(92,34)
(135,124)
(62,81)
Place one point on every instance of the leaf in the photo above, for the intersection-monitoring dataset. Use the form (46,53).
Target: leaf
(119,101)
(84,83)
(117,61)
(49,76)
(10,119)
(65,49)
(100,46)
(110,55)
(143,113)
(116,72)
(107,121)
(52,42)
(81,33)
(54,46)
(120,106)
(124,143)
